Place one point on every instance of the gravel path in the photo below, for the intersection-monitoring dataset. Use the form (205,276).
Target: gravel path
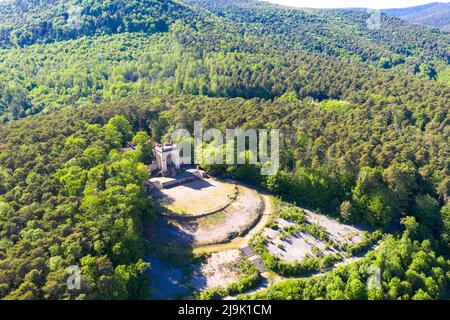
(224,225)
(241,242)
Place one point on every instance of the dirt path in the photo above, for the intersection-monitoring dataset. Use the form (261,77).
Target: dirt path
(215,231)
(224,225)
(170,281)
(241,242)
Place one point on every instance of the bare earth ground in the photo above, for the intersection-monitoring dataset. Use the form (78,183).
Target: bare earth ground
(219,270)
(213,235)
(169,281)
(295,248)
(224,225)
(196,197)
(340,232)
(337,231)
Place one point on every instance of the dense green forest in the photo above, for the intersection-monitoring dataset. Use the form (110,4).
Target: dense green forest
(363,116)
(248,55)
(36,21)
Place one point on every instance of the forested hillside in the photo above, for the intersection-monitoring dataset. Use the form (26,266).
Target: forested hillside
(363,116)
(70,198)
(36,21)
(62,172)
(111,61)
(435,14)
(338,32)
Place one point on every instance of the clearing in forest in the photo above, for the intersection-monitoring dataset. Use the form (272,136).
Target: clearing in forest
(235,219)
(175,271)
(198,197)
(298,242)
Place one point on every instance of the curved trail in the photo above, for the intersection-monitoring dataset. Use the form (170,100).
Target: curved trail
(241,242)
(269,278)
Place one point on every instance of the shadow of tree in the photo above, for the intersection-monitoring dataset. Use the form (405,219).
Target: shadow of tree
(199,184)
(173,264)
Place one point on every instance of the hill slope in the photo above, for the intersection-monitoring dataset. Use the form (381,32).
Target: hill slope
(364,132)
(25,22)
(341,32)
(165,46)
(435,14)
